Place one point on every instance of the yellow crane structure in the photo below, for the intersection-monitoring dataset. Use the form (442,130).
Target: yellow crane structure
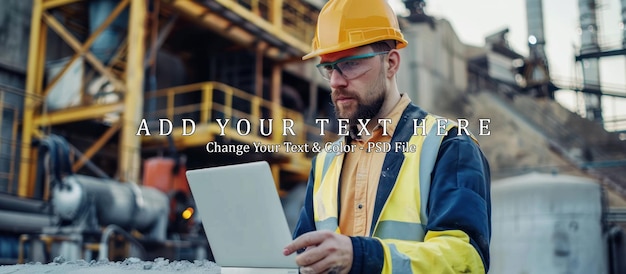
(277,32)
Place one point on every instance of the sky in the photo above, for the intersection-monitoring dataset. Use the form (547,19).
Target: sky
(474,20)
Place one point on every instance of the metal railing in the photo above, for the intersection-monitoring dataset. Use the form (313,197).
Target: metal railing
(252,116)
(298,17)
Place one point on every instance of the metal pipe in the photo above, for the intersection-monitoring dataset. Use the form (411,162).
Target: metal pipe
(588,26)
(127,205)
(590,66)
(24,222)
(536,40)
(103,254)
(13,203)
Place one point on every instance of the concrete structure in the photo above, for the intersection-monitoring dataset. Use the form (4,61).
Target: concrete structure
(448,78)
(433,67)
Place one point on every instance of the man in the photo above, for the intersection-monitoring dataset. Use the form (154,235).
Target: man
(422,210)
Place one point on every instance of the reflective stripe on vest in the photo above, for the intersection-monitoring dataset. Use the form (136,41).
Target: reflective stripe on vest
(326,185)
(408,231)
(400,262)
(327,173)
(416,231)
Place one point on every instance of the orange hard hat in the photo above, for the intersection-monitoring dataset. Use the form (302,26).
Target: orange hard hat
(346,24)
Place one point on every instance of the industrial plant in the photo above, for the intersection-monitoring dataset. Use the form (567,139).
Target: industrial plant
(107,103)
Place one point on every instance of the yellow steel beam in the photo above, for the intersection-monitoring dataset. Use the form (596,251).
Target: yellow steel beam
(49,4)
(276,98)
(77,114)
(77,46)
(277,13)
(228,102)
(97,145)
(258,69)
(32,92)
(170,105)
(213,21)
(85,46)
(129,164)
(207,132)
(204,133)
(207,102)
(41,63)
(274,28)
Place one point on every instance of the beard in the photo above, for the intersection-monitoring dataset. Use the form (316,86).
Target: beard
(366,108)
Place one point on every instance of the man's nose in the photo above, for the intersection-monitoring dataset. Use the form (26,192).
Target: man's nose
(337,80)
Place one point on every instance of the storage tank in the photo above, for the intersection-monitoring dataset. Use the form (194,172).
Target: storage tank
(547,224)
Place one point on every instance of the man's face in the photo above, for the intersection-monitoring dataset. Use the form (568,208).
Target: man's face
(360,97)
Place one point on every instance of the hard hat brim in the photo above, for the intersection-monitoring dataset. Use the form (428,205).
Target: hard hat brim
(401,44)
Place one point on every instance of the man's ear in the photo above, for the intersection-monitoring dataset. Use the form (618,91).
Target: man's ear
(393,62)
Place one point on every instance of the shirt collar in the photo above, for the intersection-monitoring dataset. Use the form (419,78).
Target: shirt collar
(394,117)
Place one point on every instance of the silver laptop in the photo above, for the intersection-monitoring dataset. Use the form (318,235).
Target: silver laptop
(243,218)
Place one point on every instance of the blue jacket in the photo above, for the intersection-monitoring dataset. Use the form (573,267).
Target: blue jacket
(459,197)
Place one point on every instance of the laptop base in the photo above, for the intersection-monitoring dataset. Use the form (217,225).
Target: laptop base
(257,270)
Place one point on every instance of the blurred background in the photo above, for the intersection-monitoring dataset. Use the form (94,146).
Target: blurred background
(78,79)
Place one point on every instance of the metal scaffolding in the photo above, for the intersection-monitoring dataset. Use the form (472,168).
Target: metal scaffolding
(277,29)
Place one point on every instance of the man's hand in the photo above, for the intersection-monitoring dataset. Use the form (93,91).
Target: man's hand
(326,252)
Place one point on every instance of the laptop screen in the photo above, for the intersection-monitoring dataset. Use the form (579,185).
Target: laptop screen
(242,215)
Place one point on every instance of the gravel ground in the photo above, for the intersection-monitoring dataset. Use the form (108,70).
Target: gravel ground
(130,265)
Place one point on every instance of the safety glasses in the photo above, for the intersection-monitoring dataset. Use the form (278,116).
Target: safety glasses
(350,67)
